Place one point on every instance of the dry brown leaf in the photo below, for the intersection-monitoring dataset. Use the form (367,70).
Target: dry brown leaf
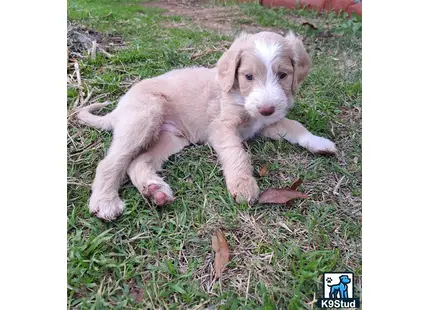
(280,195)
(222,255)
(296,184)
(310,25)
(327,34)
(263,170)
(294,187)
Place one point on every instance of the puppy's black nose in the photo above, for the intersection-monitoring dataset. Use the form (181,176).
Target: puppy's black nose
(266,111)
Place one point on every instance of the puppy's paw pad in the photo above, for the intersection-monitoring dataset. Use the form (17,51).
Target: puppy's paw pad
(160,193)
(160,199)
(319,145)
(153,188)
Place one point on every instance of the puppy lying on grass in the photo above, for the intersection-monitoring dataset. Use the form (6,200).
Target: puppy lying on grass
(248,93)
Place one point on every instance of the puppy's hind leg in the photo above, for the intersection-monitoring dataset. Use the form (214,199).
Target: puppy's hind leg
(143,169)
(138,125)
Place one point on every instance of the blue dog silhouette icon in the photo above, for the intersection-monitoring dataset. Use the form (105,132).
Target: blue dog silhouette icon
(340,289)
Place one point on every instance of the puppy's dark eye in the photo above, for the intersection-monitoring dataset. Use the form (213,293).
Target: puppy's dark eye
(282,75)
(249,77)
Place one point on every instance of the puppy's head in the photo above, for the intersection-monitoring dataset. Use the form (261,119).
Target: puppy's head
(263,71)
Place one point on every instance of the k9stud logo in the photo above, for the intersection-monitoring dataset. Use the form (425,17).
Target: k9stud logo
(338,291)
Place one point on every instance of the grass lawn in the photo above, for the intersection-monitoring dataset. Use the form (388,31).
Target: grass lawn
(161,258)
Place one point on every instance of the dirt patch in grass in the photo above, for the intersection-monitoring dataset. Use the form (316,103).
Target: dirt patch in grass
(136,292)
(223,19)
(80,41)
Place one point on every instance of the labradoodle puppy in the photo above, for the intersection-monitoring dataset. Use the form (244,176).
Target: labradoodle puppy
(248,93)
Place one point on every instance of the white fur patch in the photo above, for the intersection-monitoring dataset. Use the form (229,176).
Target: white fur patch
(272,89)
(267,51)
(238,98)
(250,129)
(316,144)
(256,124)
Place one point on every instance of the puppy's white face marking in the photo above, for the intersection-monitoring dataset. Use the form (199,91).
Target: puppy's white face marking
(267,53)
(267,91)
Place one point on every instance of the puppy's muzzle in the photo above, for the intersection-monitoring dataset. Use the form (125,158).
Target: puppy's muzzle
(266,110)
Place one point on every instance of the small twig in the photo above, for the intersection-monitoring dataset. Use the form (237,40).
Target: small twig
(152,303)
(76,102)
(247,287)
(71,139)
(78,77)
(94,50)
(77,152)
(78,73)
(201,305)
(312,302)
(76,54)
(201,53)
(99,291)
(90,92)
(78,184)
(336,188)
(285,226)
(105,53)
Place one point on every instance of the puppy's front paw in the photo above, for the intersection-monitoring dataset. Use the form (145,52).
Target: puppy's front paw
(318,145)
(107,208)
(244,189)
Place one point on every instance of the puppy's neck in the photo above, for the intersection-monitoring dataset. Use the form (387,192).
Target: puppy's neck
(238,98)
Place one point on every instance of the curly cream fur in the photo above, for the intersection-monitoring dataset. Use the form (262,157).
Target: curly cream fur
(160,116)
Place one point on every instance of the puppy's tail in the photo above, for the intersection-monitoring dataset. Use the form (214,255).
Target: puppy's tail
(101,122)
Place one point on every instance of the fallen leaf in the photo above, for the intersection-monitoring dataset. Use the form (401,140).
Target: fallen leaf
(294,187)
(296,184)
(310,25)
(263,170)
(222,256)
(326,153)
(280,195)
(327,34)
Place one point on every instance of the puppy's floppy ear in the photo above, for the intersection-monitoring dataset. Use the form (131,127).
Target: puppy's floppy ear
(227,66)
(301,60)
